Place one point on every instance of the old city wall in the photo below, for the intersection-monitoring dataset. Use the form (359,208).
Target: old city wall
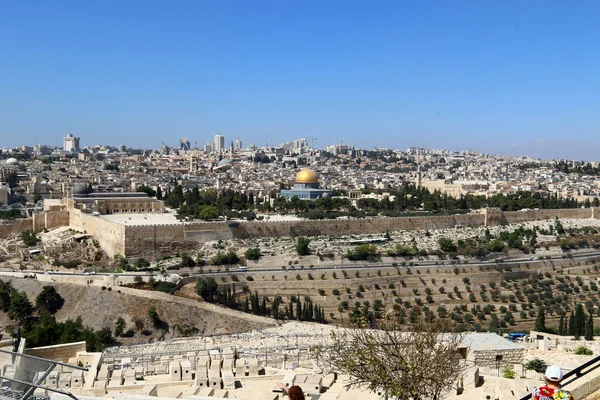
(110,235)
(152,240)
(15,227)
(515,217)
(356,226)
(206,231)
(156,240)
(50,220)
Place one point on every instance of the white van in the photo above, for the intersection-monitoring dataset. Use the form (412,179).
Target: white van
(243,268)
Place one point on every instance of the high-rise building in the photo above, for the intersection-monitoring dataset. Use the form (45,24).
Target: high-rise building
(71,143)
(238,144)
(184,144)
(219,143)
(209,147)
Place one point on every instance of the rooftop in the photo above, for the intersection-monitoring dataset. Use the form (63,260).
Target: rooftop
(142,219)
(489,341)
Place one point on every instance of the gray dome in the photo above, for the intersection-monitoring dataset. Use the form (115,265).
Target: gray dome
(12,161)
(225,161)
(80,188)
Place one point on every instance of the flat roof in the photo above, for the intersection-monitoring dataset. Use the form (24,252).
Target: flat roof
(489,341)
(142,218)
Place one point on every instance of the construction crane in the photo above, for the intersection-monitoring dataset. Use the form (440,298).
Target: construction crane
(340,139)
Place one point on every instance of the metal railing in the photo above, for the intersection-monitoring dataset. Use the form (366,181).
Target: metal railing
(575,374)
(29,373)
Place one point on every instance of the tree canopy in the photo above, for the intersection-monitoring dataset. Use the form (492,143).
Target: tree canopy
(49,300)
(423,363)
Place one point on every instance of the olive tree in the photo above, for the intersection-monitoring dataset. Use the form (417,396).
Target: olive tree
(420,364)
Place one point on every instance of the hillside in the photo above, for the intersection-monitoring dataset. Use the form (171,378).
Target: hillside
(468,295)
(100,308)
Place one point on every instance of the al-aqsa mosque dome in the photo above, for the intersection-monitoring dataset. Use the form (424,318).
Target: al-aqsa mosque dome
(306,187)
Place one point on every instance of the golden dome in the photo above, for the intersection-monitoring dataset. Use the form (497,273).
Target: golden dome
(307,176)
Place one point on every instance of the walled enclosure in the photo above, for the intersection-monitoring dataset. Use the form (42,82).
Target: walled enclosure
(153,240)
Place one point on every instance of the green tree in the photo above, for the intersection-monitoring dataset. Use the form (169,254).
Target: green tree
(5,292)
(29,238)
(207,288)
(119,327)
(148,190)
(579,321)
(142,263)
(302,246)
(572,330)
(447,245)
(540,321)
(154,317)
(252,253)
(159,195)
(49,300)
(209,212)
(20,307)
(536,365)
(589,328)
(368,252)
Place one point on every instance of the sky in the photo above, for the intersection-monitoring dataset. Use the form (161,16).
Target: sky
(504,77)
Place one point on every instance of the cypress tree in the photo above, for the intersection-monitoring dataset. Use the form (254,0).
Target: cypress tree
(579,321)
(263,306)
(589,328)
(571,324)
(561,325)
(159,193)
(299,310)
(540,321)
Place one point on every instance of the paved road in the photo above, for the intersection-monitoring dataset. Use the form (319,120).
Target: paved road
(582,255)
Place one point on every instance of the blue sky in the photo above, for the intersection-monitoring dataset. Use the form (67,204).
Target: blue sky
(513,77)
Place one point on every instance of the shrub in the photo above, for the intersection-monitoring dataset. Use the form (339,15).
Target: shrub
(537,365)
(508,373)
(583,351)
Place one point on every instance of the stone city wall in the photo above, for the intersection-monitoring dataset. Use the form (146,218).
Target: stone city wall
(162,239)
(153,241)
(110,235)
(50,220)
(353,227)
(515,217)
(15,227)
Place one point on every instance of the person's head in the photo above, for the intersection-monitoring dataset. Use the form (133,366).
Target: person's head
(553,375)
(296,393)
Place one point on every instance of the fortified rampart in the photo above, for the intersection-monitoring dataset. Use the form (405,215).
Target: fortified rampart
(154,240)
(15,227)
(50,220)
(110,235)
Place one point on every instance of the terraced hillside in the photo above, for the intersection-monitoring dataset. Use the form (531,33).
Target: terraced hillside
(474,297)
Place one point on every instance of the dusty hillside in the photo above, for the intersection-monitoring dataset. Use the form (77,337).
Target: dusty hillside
(100,308)
(468,295)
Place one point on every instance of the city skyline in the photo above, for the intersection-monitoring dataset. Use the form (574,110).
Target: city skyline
(506,78)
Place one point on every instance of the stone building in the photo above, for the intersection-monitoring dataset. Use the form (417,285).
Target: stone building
(492,350)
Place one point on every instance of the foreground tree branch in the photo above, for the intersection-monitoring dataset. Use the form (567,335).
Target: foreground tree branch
(421,363)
